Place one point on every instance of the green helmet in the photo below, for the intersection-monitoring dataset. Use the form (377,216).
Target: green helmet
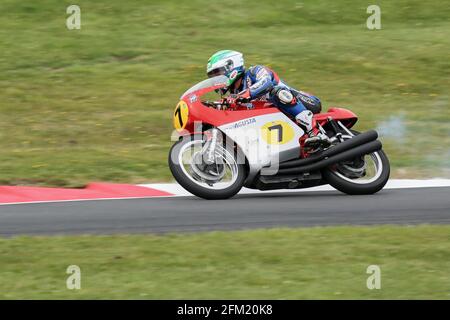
(226,62)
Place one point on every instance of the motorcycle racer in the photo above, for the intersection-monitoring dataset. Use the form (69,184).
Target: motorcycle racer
(262,83)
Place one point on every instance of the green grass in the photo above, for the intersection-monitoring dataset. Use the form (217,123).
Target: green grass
(96,103)
(326,263)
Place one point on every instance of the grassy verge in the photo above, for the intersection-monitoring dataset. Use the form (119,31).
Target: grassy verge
(328,263)
(96,103)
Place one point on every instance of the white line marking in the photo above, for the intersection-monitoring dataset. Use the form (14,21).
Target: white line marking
(178,191)
(392,184)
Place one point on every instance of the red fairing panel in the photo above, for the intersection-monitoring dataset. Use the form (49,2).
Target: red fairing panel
(199,112)
(339,114)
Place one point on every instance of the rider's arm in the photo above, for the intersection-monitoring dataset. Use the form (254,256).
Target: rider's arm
(263,82)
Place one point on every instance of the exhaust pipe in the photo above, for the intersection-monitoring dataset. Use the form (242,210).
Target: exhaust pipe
(343,156)
(356,141)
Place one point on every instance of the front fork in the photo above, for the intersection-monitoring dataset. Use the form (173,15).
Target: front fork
(209,149)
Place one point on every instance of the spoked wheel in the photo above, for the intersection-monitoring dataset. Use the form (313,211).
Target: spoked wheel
(363,175)
(221,179)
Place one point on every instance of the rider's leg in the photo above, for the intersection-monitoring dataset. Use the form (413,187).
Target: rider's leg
(303,116)
(283,98)
(311,102)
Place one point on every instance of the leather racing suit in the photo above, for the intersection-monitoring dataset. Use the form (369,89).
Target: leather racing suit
(260,82)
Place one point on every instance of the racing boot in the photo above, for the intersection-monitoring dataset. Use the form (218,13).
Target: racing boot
(316,142)
(313,142)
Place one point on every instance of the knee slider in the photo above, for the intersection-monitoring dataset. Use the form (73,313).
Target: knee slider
(283,96)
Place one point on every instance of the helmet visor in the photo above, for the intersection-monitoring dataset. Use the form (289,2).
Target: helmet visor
(217,72)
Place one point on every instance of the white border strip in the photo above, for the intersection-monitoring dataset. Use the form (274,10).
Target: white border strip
(178,190)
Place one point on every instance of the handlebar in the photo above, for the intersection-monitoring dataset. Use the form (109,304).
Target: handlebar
(223,104)
(220,105)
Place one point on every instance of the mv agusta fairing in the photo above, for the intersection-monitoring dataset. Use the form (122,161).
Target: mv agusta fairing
(224,146)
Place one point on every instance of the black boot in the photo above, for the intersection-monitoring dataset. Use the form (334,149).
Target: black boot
(316,142)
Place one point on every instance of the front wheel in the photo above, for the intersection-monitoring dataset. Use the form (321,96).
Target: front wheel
(219,180)
(363,175)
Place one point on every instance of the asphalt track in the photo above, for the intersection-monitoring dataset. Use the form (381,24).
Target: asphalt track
(246,211)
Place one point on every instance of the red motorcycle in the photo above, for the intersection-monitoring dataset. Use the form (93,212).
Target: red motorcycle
(223,147)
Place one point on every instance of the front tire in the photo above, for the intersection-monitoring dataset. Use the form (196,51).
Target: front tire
(191,181)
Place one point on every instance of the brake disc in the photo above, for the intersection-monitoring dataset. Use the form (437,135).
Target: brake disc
(352,169)
(209,173)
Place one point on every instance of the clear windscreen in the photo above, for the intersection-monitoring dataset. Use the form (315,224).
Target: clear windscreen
(211,82)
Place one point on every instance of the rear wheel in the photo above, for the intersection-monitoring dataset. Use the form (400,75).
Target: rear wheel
(367,174)
(219,180)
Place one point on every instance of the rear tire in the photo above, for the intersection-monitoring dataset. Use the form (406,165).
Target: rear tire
(353,188)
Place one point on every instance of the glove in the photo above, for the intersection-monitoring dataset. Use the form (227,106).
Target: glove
(230,100)
(244,96)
